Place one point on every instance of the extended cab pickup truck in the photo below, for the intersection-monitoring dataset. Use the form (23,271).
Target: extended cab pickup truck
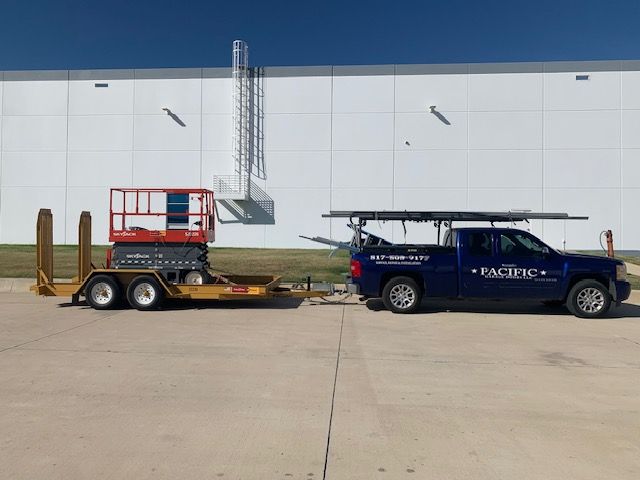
(491,263)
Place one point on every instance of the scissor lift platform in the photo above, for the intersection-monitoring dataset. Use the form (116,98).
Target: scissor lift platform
(145,289)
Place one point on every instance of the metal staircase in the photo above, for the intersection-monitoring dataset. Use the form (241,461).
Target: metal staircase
(244,199)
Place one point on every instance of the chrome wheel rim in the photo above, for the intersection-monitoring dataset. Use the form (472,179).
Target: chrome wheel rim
(402,296)
(144,293)
(101,293)
(590,300)
(194,278)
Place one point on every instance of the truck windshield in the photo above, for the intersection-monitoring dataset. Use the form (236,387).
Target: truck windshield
(519,245)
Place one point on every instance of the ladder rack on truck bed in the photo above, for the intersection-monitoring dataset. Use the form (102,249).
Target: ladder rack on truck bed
(449,216)
(144,288)
(359,218)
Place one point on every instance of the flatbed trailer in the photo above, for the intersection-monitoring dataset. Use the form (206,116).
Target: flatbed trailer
(144,288)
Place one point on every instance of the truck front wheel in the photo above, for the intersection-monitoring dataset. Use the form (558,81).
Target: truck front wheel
(589,299)
(401,295)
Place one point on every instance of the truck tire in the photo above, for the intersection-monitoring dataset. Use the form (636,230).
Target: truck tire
(145,293)
(589,299)
(401,295)
(102,292)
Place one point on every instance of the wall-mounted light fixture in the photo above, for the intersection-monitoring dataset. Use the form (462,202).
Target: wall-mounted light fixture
(439,116)
(174,117)
(582,77)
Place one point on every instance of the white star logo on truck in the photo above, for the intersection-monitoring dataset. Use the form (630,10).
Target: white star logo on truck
(473,270)
(543,272)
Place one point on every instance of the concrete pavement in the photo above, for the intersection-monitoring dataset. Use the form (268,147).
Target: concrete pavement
(277,390)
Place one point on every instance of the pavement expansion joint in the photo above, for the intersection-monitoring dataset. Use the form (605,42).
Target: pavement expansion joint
(333,397)
(18,345)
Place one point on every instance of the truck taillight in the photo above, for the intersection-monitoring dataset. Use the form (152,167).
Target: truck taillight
(356,268)
(621,272)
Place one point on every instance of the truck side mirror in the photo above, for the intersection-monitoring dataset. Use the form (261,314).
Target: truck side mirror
(545,251)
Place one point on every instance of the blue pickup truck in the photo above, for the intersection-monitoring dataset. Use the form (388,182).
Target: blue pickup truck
(482,262)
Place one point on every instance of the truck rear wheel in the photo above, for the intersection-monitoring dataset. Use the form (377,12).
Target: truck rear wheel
(102,292)
(401,295)
(145,293)
(589,299)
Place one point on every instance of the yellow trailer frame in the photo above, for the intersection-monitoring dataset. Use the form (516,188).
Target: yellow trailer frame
(230,287)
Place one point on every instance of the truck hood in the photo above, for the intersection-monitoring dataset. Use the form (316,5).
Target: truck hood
(579,257)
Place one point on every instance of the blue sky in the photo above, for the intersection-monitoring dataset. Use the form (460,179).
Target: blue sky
(67,34)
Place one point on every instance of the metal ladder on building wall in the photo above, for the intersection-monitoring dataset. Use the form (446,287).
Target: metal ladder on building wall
(238,186)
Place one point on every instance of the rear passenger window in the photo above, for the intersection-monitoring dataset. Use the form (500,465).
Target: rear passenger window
(479,244)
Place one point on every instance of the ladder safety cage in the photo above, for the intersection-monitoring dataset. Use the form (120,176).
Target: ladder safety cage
(164,215)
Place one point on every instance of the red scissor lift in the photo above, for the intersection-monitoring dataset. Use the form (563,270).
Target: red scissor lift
(172,206)
(165,229)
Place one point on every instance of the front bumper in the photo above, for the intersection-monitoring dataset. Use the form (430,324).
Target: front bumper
(622,291)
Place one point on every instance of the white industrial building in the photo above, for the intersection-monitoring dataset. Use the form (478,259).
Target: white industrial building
(550,137)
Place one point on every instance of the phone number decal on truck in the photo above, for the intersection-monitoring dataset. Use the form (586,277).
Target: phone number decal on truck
(380,259)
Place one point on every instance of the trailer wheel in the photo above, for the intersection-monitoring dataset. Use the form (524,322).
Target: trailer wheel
(145,293)
(102,292)
(589,299)
(401,295)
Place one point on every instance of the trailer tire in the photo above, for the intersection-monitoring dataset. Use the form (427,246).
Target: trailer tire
(401,295)
(145,293)
(102,292)
(589,299)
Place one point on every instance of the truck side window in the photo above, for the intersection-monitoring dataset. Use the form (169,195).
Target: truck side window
(479,244)
(518,245)
(450,238)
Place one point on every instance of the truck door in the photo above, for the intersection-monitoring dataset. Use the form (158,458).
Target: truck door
(476,252)
(528,268)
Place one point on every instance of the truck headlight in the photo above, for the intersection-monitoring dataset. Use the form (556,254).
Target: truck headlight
(621,272)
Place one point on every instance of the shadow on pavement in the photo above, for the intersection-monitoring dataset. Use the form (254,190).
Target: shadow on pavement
(175,305)
(626,310)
